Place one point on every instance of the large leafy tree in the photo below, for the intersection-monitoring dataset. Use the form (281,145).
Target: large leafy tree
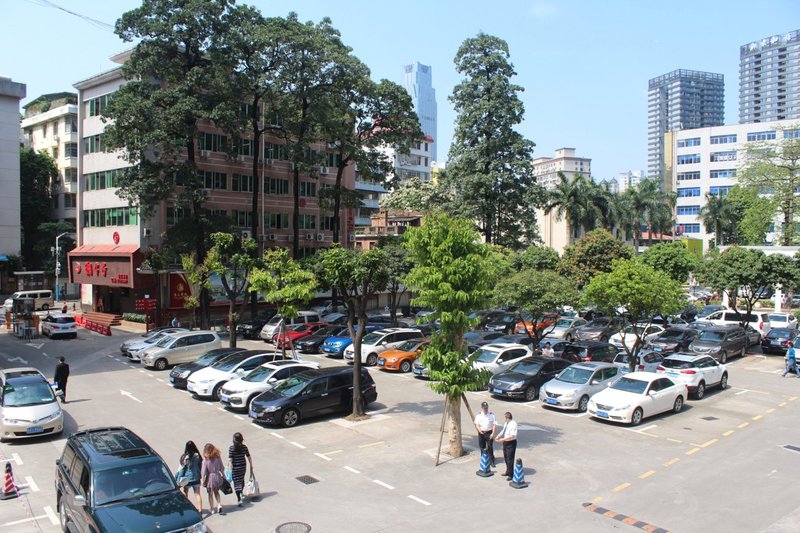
(718,218)
(490,162)
(672,258)
(453,276)
(37,170)
(535,258)
(420,196)
(638,288)
(574,199)
(590,255)
(752,213)
(398,265)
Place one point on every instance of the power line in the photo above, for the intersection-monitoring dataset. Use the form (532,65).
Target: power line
(94,22)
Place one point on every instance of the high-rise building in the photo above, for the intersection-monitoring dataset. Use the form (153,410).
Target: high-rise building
(11,93)
(769,79)
(419,84)
(681,100)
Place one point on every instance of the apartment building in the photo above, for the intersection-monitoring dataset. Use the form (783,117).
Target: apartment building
(769,79)
(11,93)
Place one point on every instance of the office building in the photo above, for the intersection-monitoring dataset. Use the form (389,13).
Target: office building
(680,100)
(11,93)
(419,84)
(629,179)
(769,79)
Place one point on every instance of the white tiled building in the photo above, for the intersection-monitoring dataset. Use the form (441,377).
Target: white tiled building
(11,93)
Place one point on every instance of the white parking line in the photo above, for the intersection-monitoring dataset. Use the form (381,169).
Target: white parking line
(323,456)
(641,430)
(278,435)
(32,484)
(238,417)
(382,484)
(17,459)
(420,500)
(293,443)
(351,469)
(51,515)
(160,380)
(17,522)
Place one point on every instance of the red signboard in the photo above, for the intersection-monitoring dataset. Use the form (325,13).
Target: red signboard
(113,271)
(115,236)
(179,290)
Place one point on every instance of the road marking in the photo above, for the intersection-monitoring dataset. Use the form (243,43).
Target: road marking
(129,395)
(675,440)
(277,435)
(742,392)
(351,469)
(770,410)
(220,408)
(758,417)
(743,425)
(647,474)
(150,375)
(323,456)
(334,452)
(597,499)
(293,443)
(238,417)
(671,462)
(160,380)
(782,404)
(17,459)
(31,519)
(792,398)
(708,443)
(693,451)
(621,487)
(419,500)
(142,371)
(371,444)
(728,433)
(382,484)
(51,515)
(32,484)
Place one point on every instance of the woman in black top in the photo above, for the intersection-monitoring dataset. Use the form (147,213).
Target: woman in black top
(238,464)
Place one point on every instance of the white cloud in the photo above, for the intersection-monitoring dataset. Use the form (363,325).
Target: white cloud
(542,10)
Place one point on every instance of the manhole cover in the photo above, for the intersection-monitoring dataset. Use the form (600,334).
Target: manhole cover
(709,418)
(293,527)
(308,480)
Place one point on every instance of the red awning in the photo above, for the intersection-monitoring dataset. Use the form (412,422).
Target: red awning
(104,250)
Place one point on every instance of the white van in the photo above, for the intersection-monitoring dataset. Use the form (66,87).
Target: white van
(759,321)
(43,299)
(304,317)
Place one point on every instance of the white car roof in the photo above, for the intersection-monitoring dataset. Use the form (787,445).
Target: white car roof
(644,376)
(500,346)
(686,356)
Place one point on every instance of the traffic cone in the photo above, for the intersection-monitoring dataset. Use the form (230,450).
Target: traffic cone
(519,476)
(484,469)
(9,487)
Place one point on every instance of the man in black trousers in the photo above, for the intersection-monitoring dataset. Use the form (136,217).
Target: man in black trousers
(62,374)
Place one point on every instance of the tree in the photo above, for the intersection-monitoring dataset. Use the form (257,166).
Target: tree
(452,276)
(419,196)
(717,217)
(37,171)
(673,259)
(231,258)
(535,258)
(398,265)
(489,162)
(752,215)
(638,288)
(45,239)
(774,168)
(591,254)
(357,275)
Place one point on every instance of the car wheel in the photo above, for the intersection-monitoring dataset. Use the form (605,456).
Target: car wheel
(405,367)
(62,514)
(723,383)
(678,405)
(45,307)
(160,364)
(215,393)
(723,357)
(636,417)
(531,393)
(290,417)
(372,359)
(604,339)
(701,391)
(583,404)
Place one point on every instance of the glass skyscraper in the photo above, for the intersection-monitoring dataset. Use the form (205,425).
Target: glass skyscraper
(419,85)
(769,79)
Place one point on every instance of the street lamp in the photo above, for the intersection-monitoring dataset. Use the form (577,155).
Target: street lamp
(58,263)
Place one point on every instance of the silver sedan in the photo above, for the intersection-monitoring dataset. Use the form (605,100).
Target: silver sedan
(564,328)
(572,388)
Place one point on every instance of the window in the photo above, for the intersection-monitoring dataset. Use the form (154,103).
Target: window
(276,220)
(791,134)
(246,147)
(308,222)
(70,200)
(689,228)
(55,200)
(97,106)
(213,142)
(242,183)
(215,180)
(326,223)
(276,186)
(720,191)
(93,144)
(688,159)
(724,173)
(71,174)
(686,192)
(102,180)
(332,160)
(275,151)
(70,125)
(723,156)
(112,216)
(71,149)
(761,136)
(308,188)
(682,176)
(215,213)
(688,209)
(175,215)
(685,143)
(723,139)
(241,219)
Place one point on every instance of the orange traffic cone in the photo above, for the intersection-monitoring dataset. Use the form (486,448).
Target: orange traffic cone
(9,487)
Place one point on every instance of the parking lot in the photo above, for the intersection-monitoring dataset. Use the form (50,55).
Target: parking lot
(720,465)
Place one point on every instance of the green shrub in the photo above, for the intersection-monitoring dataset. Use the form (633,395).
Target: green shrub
(135,317)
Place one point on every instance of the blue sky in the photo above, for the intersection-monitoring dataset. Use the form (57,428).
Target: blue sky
(584,64)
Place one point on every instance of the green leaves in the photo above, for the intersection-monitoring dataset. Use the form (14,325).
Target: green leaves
(592,254)
(673,258)
(282,280)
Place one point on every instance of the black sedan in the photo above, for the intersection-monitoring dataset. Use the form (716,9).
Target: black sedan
(523,379)
(313,343)
(775,341)
(676,339)
(180,374)
(250,329)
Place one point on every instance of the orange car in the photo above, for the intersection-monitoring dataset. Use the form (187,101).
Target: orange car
(546,321)
(402,357)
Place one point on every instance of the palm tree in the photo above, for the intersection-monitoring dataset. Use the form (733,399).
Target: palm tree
(572,200)
(716,216)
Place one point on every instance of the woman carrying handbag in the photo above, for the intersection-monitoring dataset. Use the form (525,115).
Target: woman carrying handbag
(239,456)
(213,475)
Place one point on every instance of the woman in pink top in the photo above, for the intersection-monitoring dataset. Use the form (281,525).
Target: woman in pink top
(212,474)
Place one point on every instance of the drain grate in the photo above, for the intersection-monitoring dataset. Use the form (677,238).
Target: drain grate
(293,527)
(709,418)
(308,480)
(792,448)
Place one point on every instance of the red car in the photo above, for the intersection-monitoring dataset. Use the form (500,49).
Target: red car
(295,333)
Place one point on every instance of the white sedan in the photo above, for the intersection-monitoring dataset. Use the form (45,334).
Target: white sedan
(628,335)
(636,396)
(239,392)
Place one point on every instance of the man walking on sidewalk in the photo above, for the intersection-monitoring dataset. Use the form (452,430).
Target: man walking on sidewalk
(62,374)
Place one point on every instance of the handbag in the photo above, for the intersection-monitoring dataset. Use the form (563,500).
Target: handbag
(252,490)
(226,486)
(181,476)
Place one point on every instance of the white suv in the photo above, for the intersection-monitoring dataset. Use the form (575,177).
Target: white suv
(181,347)
(208,382)
(239,392)
(499,356)
(697,372)
(377,342)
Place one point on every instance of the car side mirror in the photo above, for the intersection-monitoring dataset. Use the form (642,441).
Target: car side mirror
(651,393)
(272,380)
(79,500)
(241,371)
(595,382)
(59,393)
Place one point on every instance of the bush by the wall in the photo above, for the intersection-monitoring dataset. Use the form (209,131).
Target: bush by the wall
(135,317)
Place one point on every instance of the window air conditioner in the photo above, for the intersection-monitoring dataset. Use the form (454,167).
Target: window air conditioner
(320,237)
(241,157)
(272,236)
(204,154)
(309,236)
(147,232)
(246,234)
(324,171)
(352,237)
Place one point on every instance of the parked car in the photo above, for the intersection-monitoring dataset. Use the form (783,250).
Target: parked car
(238,393)
(547,320)
(589,351)
(600,329)
(109,480)
(59,324)
(179,375)
(557,345)
(376,342)
(518,338)
(481,337)
(250,329)
(339,319)
(628,337)
(207,382)
(573,386)
(565,328)
(753,336)
(697,372)
(522,379)
(311,393)
(646,361)
(775,341)
(271,327)
(721,342)
(181,347)
(28,405)
(498,357)
(313,342)
(782,320)
(709,309)
(636,396)
(123,347)
(505,322)
(335,345)
(674,339)
(42,299)
(402,358)
(134,348)
(295,333)
(759,321)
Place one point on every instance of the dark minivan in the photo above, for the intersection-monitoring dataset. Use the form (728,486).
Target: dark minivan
(311,393)
(109,479)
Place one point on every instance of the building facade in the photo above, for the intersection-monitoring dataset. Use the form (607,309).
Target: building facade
(769,79)
(706,161)
(680,100)
(419,84)
(629,179)
(11,93)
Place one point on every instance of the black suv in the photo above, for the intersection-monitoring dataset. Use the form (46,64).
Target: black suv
(673,340)
(311,393)
(109,479)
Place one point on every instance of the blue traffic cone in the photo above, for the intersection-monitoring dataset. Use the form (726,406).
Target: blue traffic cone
(484,471)
(519,476)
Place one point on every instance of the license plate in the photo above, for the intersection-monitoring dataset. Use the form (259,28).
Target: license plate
(602,414)
(418,371)
(224,398)
(657,349)
(171,379)
(618,344)
(34,429)
(497,391)
(675,374)
(381,361)
(189,387)
(552,401)
(253,414)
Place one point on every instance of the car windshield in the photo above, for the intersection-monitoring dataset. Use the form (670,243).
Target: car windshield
(600,322)
(207,359)
(26,394)
(131,482)
(671,334)
(676,363)
(564,323)
(227,364)
(259,375)
(482,355)
(275,320)
(155,338)
(530,368)
(634,330)
(291,386)
(165,341)
(621,357)
(408,346)
(780,333)
(328,331)
(778,318)
(574,375)
(711,336)
(626,384)
(372,338)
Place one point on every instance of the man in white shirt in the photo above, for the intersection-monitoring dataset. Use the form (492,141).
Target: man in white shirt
(508,436)
(548,351)
(486,424)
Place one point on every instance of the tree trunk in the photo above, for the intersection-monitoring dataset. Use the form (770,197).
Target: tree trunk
(232,322)
(454,426)
(358,334)
(257,181)
(337,203)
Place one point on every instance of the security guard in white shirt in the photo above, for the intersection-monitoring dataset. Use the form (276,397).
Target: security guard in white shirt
(486,425)
(508,436)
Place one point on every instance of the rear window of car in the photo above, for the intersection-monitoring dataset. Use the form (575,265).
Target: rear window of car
(676,363)
(778,318)
(711,336)
(780,333)
(65,320)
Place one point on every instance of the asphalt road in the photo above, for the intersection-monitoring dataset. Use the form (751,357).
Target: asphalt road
(720,465)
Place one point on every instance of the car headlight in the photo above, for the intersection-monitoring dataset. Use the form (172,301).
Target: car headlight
(271,409)
(392,360)
(567,396)
(185,374)
(516,386)
(199,527)
(51,417)
(621,407)
(205,381)
(10,420)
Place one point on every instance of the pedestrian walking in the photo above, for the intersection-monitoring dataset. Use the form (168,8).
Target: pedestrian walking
(508,436)
(192,462)
(175,322)
(791,360)
(61,376)
(212,475)
(548,350)
(64,308)
(486,425)
(238,457)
